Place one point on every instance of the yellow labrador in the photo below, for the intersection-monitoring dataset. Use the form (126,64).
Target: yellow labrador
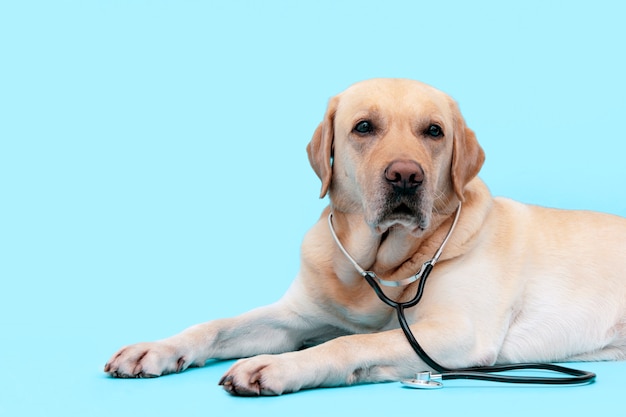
(515,283)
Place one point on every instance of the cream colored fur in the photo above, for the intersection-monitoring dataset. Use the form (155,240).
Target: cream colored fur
(516,283)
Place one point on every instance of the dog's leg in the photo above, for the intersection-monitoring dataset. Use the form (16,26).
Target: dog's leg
(360,358)
(346,360)
(271,329)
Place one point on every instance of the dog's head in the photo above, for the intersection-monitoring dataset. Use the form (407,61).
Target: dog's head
(394,150)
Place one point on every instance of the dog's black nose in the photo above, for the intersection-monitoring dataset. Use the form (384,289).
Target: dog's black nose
(404,175)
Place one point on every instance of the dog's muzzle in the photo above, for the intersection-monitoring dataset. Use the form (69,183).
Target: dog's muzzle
(402,199)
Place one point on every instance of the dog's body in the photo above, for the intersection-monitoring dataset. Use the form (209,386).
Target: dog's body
(515,283)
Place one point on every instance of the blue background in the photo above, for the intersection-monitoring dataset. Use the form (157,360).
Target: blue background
(153,173)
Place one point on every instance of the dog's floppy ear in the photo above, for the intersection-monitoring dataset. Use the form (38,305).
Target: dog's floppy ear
(320,149)
(467,155)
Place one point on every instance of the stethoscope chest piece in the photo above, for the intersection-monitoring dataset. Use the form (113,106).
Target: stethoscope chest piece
(424,380)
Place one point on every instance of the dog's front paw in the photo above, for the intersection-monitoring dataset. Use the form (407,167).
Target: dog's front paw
(262,375)
(146,360)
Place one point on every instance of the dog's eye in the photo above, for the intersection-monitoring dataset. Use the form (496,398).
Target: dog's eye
(364,127)
(434,131)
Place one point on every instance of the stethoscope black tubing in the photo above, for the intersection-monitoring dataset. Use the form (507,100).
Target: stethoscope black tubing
(483,373)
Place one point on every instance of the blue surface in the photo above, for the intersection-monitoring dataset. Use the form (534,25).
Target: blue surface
(153,174)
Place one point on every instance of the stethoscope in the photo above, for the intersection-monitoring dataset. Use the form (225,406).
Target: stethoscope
(428,379)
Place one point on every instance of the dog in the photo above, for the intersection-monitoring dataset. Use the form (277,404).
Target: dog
(515,283)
